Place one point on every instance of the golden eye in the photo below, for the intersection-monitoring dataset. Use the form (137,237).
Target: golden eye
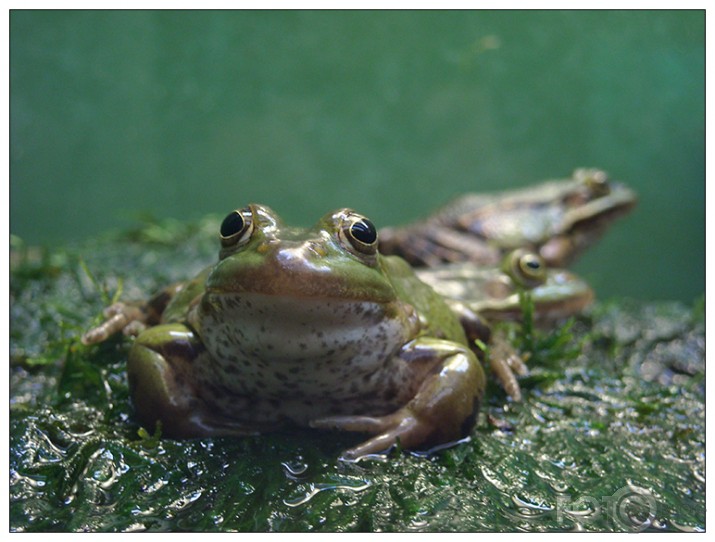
(360,233)
(525,268)
(237,227)
(596,182)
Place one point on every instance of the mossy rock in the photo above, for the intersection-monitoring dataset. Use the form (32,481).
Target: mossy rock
(610,435)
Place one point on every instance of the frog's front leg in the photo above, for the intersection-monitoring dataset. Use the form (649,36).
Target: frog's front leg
(506,363)
(163,385)
(504,360)
(129,318)
(443,410)
(132,317)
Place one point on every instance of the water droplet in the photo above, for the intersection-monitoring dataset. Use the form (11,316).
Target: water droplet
(294,469)
(314,489)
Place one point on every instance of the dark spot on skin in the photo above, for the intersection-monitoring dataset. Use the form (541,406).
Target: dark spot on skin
(368,316)
(216,392)
(390,394)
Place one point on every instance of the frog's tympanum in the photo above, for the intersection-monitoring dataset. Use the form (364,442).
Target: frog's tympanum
(556,219)
(306,326)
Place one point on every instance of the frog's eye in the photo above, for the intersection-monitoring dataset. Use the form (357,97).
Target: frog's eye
(361,234)
(597,183)
(237,227)
(525,268)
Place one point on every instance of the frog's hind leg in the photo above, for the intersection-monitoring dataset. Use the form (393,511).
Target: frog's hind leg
(443,409)
(162,385)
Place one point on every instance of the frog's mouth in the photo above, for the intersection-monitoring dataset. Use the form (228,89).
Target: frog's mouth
(600,212)
(580,228)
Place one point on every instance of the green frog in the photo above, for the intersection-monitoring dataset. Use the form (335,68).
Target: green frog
(484,295)
(313,327)
(316,327)
(556,219)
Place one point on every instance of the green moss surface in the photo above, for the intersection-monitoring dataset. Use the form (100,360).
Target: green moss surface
(609,437)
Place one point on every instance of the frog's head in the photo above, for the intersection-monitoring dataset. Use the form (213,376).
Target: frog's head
(494,292)
(337,258)
(293,294)
(556,293)
(558,219)
(589,203)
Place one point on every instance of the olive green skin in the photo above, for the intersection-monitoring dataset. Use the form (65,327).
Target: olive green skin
(312,327)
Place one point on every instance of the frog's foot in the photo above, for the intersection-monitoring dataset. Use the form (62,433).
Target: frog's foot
(402,425)
(132,317)
(126,317)
(443,409)
(506,364)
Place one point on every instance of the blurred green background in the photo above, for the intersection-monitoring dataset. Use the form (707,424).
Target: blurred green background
(115,114)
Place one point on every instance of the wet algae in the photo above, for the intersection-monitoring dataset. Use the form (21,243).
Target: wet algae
(609,437)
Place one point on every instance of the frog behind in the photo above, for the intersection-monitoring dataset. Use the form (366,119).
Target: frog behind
(556,219)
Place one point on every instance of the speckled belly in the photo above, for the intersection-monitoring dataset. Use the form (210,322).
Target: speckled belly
(302,358)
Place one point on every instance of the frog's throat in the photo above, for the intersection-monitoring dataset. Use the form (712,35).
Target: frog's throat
(280,329)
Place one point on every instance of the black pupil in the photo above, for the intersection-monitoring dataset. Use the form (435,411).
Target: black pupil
(232,224)
(533,264)
(364,231)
